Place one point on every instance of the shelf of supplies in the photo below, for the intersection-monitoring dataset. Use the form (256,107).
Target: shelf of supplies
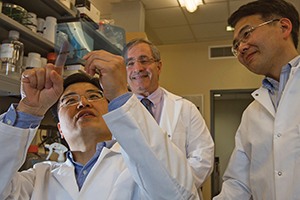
(100,41)
(32,41)
(60,9)
(44,8)
(9,86)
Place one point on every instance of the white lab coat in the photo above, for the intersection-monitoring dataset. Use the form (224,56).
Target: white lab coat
(266,159)
(143,164)
(187,129)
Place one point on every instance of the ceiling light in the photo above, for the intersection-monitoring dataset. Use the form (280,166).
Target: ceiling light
(191,5)
(229,28)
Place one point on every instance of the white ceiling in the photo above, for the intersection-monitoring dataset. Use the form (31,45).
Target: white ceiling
(168,23)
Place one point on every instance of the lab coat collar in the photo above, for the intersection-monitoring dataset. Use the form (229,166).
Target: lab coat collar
(65,173)
(262,96)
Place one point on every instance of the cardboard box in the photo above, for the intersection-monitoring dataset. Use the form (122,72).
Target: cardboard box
(85,7)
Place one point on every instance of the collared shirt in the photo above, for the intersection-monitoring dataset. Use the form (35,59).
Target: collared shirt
(20,119)
(82,171)
(24,120)
(276,88)
(157,98)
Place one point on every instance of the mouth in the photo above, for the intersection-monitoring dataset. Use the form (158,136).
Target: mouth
(139,76)
(85,114)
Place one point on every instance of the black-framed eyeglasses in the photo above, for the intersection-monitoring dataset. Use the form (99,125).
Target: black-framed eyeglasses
(143,60)
(245,34)
(73,98)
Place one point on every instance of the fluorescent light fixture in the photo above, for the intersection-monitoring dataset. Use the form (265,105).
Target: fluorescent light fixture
(229,28)
(191,5)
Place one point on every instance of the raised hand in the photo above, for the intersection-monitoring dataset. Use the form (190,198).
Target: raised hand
(40,89)
(112,72)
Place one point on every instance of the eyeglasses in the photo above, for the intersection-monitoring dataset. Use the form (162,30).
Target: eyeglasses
(245,34)
(143,60)
(73,99)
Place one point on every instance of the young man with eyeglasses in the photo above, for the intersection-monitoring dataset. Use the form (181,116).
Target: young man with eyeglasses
(140,162)
(179,117)
(265,162)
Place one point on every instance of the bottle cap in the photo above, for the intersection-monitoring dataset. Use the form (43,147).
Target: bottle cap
(13,34)
(33,149)
(51,57)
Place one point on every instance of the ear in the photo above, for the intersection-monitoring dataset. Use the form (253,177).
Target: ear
(286,26)
(159,66)
(60,131)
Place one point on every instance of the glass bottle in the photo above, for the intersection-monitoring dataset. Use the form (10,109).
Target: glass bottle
(12,51)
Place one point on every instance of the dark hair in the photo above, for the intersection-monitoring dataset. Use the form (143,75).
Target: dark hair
(269,9)
(72,79)
(134,42)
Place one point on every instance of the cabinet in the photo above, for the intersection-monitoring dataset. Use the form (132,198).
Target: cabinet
(36,43)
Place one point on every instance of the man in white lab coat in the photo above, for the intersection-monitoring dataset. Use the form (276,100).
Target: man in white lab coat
(265,162)
(179,117)
(139,163)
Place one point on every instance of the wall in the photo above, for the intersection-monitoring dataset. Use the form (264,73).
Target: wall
(187,70)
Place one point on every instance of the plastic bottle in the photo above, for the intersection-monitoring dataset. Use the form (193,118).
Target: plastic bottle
(12,51)
(58,148)
(33,60)
(50,28)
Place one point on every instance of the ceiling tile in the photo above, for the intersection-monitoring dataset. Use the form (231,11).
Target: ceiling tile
(214,1)
(174,33)
(204,13)
(154,4)
(211,31)
(165,17)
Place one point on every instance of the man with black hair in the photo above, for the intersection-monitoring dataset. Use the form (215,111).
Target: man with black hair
(265,162)
(140,162)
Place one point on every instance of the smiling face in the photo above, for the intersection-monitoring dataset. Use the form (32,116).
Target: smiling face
(260,53)
(82,122)
(142,76)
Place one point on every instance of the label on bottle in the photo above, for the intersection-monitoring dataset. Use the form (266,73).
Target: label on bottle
(7,50)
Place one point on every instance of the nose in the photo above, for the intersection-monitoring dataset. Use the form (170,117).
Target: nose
(83,102)
(243,47)
(138,66)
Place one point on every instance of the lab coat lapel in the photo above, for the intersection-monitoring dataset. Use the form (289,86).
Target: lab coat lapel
(97,175)
(170,112)
(262,96)
(65,175)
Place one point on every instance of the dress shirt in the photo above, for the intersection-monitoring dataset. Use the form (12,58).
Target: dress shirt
(276,88)
(82,171)
(157,98)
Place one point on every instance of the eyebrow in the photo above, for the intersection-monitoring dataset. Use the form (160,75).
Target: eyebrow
(74,93)
(141,56)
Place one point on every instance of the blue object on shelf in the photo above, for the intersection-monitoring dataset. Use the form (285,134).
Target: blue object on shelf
(85,37)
